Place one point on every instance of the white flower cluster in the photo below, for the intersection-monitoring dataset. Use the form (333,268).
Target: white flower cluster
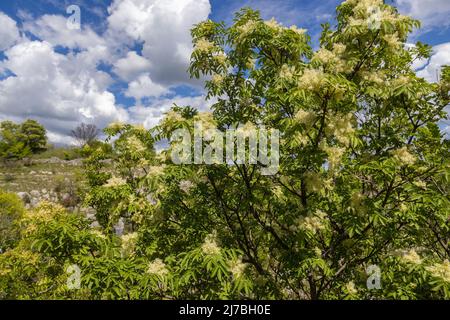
(351,288)
(206,120)
(306,118)
(400,81)
(98,233)
(115,182)
(297,30)
(116,126)
(411,256)
(203,45)
(157,267)
(186,185)
(135,145)
(334,156)
(403,156)
(313,223)
(155,170)
(221,58)
(392,41)
(315,183)
(247,130)
(237,268)
(247,29)
(217,79)
(312,79)
(210,247)
(129,243)
(371,14)
(286,72)
(440,270)
(273,24)
(173,116)
(334,58)
(376,77)
(340,126)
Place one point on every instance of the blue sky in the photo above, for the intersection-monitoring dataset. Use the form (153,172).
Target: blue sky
(128,62)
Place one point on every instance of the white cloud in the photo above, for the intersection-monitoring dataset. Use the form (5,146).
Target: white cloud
(432,13)
(62,90)
(9,34)
(53,29)
(440,57)
(48,87)
(164,29)
(132,66)
(144,87)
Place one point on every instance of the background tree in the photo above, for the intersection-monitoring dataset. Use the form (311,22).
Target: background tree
(33,135)
(12,144)
(85,134)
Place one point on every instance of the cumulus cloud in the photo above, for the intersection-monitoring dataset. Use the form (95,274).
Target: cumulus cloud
(441,56)
(48,87)
(144,87)
(163,28)
(53,29)
(62,88)
(131,66)
(9,34)
(432,13)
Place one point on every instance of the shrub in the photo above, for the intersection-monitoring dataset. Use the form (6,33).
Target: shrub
(11,211)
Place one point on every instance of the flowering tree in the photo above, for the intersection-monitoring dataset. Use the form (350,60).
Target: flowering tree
(360,197)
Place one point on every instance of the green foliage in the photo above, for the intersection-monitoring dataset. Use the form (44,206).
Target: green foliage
(363,179)
(11,211)
(18,141)
(33,135)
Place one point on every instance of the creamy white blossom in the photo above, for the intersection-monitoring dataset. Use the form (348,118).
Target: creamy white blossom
(411,256)
(135,145)
(312,79)
(129,243)
(186,185)
(237,268)
(221,58)
(273,24)
(392,41)
(351,288)
(210,247)
(334,156)
(305,117)
(157,267)
(247,29)
(297,30)
(203,45)
(116,126)
(340,126)
(313,223)
(115,182)
(440,270)
(155,170)
(402,155)
(286,72)
(217,79)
